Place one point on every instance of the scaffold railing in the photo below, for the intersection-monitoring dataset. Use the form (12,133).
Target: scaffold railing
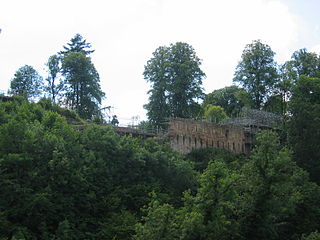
(254,117)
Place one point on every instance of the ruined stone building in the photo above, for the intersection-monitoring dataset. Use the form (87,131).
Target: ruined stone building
(236,135)
(186,135)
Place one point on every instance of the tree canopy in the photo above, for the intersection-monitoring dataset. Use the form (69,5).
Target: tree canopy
(54,84)
(305,63)
(77,44)
(261,198)
(304,125)
(176,78)
(83,84)
(61,181)
(26,82)
(257,72)
(214,113)
(232,99)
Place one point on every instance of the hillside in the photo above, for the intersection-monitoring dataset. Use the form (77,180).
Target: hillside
(61,183)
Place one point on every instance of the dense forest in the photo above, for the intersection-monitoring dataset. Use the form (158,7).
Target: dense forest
(60,183)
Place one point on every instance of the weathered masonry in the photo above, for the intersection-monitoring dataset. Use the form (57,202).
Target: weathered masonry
(186,135)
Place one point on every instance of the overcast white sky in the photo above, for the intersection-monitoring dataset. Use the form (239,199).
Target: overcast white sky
(124,34)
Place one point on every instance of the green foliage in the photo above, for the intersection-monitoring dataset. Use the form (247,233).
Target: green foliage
(312,236)
(82,83)
(26,82)
(261,198)
(77,44)
(59,183)
(201,157)
(278,189)
(71,115)
(215,114)
(158,222)
(276,104)
(304,134)
(54,67)
(176,78)
(304,63)
(232,99)
(257,72)
(83,88)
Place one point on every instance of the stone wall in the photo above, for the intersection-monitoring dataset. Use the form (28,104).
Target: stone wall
(187,134)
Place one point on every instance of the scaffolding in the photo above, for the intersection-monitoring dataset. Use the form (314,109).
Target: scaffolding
(249,118)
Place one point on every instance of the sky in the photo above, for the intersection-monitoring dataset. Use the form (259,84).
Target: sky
(125,33)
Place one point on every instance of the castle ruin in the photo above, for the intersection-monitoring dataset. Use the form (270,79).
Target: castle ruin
(186,135)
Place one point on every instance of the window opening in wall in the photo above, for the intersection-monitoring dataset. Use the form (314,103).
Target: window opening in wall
(212,143)
(218,144)
(233,146)
(228,146)
(195,142)
(177,138)
(227,133)
(201,143)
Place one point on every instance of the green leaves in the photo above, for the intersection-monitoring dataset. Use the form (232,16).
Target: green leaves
(60,183)
(277,188)
(214,114)
(77,44)
(257,72)
(231,99)
(262,198)
(83,84)
(159,222)
(26,82)
(176,78)
(304,134)
(55,84)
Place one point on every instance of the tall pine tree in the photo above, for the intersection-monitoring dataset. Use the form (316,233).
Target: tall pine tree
(83,92)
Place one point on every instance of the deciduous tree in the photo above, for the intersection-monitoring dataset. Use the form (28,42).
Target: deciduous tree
(304,125)
(54,69)
(231,99)
(176,78)
(305,63)
(26,82)
(214,114)
(257,72)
